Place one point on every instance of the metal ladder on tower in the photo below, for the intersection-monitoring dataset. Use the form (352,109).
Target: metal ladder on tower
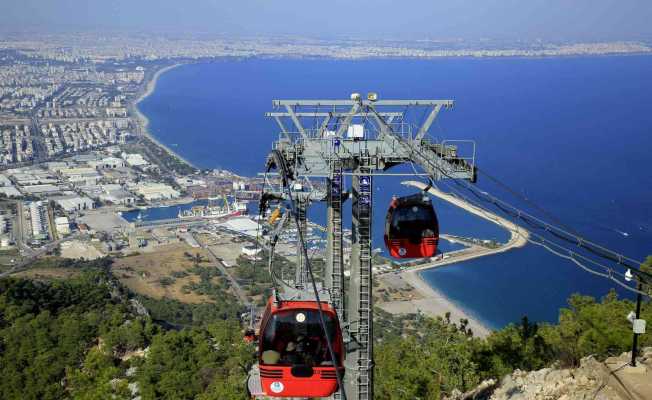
(336,251)
(301,278)
(365,338)
(337,288)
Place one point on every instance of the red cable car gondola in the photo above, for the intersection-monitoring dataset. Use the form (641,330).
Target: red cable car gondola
(293,355)
(411,227)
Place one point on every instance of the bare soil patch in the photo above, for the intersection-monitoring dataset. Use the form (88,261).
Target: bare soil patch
(147,273)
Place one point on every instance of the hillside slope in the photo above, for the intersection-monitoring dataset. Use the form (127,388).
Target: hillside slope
(613,379)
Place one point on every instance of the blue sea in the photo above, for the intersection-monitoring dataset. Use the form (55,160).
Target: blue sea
(573,135)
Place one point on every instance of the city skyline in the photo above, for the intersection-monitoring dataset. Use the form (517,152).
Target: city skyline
(553,20)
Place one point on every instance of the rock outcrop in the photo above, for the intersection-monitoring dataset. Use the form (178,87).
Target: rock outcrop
(613,379)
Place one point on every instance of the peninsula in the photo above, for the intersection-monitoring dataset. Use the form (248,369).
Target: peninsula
(429,300)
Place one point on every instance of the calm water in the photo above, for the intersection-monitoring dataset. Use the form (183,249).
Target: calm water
(572,134)
(157,213)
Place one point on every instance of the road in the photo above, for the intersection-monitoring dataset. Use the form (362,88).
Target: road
(172,222)
(36,254)
(20,230)
(239,292)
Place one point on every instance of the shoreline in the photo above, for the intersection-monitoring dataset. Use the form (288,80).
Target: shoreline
(518,235)
(142,119)
(433,301)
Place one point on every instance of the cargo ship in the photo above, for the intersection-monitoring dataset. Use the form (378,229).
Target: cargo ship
(212,211)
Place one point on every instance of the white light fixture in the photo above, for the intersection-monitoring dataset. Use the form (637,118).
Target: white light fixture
(628,275)
(301,317)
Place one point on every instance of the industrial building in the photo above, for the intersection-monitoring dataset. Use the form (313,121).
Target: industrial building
(63,225)
(74,203)
(134,160)
(241,225)
(38,216)
(152,191)
(116,194)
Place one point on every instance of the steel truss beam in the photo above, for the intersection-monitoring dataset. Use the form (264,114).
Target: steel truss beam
(327,114)
(377,103)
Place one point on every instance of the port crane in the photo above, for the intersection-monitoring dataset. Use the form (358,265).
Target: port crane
(357,138)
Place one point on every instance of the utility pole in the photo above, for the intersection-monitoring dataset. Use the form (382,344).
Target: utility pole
(638,316)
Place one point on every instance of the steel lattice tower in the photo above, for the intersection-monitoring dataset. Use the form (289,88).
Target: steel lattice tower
(360,138)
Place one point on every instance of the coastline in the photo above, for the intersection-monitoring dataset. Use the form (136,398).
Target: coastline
(432,301)
(518,235)
(143,121)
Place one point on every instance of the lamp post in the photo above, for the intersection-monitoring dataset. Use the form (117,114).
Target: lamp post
(638,315)
(628,276)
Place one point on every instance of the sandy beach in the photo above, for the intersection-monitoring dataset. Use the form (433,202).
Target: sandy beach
(431,301)
(144,121)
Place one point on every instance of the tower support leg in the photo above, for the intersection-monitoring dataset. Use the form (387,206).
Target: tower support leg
(301,276)
(359,378)
(334,276)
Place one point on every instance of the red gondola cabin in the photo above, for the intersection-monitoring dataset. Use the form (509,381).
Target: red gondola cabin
(411,227)
(294,360)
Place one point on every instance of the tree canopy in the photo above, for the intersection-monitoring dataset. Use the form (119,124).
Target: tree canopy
(82,338)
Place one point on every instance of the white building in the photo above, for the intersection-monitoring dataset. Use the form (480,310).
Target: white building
(9,191)
(241,225)
(186,181)
(251,251)
(63,225)
(33,177)
(41,190)
(73,203)
(153,191)
(109,163)
(7,187)
(134,160)
(116,194)
(5,181)
(57,165)
(239,185)
(37,214)
(81,175)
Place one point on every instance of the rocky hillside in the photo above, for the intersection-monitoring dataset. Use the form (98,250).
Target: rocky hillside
(613,379)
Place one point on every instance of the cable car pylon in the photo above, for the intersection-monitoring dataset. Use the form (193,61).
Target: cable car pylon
(330,141)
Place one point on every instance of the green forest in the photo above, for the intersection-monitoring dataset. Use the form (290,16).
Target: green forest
(84,338)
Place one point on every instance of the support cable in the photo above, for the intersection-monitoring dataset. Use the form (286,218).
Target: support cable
(518,194)
(550,246)
(261,214)
(600,251)
(280,164)
(523,197)
(577,240)
(542,239)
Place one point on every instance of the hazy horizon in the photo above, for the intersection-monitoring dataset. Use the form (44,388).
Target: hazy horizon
(551,20)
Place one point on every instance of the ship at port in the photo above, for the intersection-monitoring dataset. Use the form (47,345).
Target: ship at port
(217,207)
